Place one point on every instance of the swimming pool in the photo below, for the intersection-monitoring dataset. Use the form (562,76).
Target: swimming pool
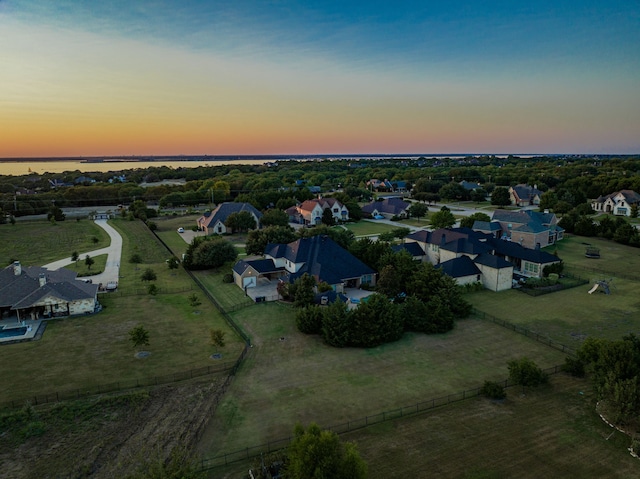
(11,332)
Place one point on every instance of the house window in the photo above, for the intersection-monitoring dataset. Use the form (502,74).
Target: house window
(532,268)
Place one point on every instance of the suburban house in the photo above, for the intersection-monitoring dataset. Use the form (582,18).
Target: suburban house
(388,207)
(469,185)
(531,229)
(471,256)
(310,212)
(413,248)
(618,203)
(319,256)
(213,222)
(525,195)
(36,293)
(379,185)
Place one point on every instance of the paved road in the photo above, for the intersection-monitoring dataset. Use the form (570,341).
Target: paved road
(114,252)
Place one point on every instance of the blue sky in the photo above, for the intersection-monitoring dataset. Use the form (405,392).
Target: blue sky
(321,77)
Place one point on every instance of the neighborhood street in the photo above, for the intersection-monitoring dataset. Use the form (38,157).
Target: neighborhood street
(114,252)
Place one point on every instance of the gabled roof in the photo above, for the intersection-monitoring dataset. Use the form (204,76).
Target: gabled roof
(222,212)
(515,250)
(536,220)
(24,290)
(322,258)
(459,267)
(486,225)
(630,196)
(526,192)
(388,205)
(496,262)
(262,266)
(468,185)
(413,248)
(466,245)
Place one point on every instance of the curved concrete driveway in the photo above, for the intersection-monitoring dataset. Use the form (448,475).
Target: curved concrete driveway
(114,252)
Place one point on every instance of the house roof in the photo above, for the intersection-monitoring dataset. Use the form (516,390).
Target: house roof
(630,196)
(466,246)
(24,290)
(468,185)
(262,266)
(322,258)
(486,225)
(223,210)
(388,205)
(515,250)
(413,248)
(496,262)
(526,192)
(459,267)
(331,296)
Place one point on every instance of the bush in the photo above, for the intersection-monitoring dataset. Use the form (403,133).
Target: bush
(573,366)
(227,278)
(553,268)
(493,390)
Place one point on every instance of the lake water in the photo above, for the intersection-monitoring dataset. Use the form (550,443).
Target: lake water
(18,168)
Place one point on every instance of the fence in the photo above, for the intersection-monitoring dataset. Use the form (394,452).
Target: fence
(230,366)
(604,272)
(162,289)
(355,424)
(524,331)
(575,282)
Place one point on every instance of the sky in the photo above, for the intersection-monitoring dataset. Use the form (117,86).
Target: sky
(241,77)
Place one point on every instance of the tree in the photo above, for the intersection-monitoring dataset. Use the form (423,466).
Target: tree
(173,262)
(418,210)
(217,337)
(336,326)
(55,214)
(274,217)
(525,372)
(478,195)
(309,319)
(148,275)
(443,218)
(89,261)
(240,221)
(318,454)
(139,336)
(302,290)
(500,196)
(454,191)
(152,289)
(327,217)
(75,257)
(257,240)
(468,221)
(135,258)
(206,252)
(194,301)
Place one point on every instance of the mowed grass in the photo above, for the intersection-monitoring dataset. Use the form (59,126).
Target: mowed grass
(86,351)
(552,431)
(229,295)
(366,227)
(614,257)
(301,379)
(82,269)
(36,243)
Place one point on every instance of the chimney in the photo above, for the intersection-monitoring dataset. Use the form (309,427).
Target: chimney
(17,269)
(42,279)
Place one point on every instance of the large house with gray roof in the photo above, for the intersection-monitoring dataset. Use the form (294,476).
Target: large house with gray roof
(387,207)
(318,256)
(213,222)
(531,229)
(470,256)
(618,203)
(525,195)
(36,293)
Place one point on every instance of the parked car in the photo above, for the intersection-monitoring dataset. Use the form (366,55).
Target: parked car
(181,230)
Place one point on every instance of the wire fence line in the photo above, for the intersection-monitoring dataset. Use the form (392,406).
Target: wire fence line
(606,273)
(79,393)
(525,332)
(539,291)
(251,452)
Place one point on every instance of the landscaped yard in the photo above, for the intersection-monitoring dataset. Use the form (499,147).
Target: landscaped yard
(291,377)
(369,227)
(86,351)
(36,243)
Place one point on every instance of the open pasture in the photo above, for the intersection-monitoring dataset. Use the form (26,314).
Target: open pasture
(36,243)
(290,377)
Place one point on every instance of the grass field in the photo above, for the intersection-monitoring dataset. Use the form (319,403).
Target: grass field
(365,227)
(301,379)
(82,352)
(82,269)
(548,432)
(36,243)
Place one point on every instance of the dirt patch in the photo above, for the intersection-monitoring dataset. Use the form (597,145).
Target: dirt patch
(107,437)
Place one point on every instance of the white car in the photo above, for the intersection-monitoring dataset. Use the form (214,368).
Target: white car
(180,230)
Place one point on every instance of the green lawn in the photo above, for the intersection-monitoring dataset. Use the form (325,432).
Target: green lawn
(227,294)
(82,269)
(548,432)
(83,352)
(366,227)
(301,379)
(36,243)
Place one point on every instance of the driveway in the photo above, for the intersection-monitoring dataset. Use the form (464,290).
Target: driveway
(114,251)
